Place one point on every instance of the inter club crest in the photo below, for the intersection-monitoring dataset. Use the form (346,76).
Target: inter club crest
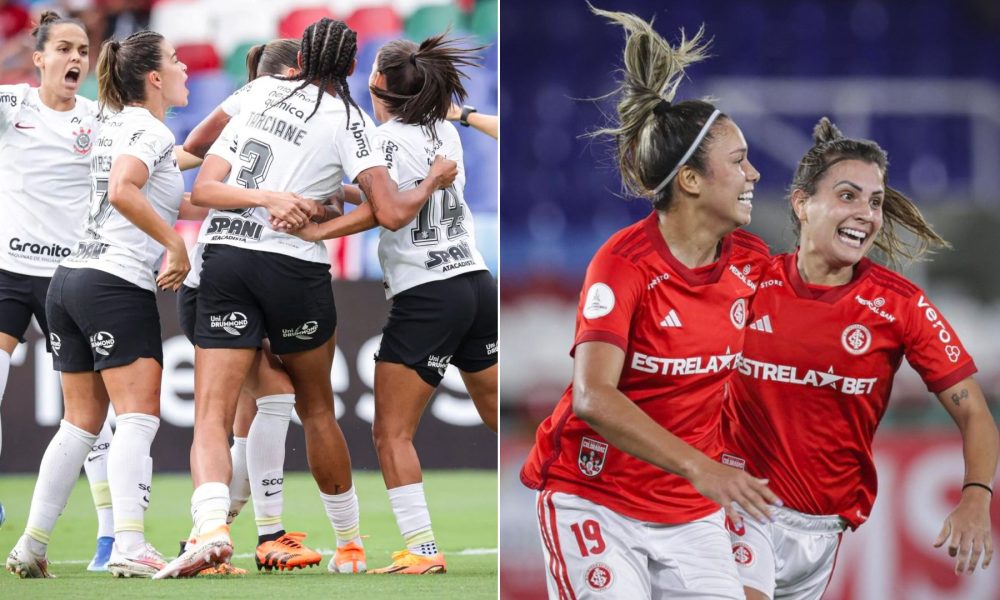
(743,554)
(738,313)
(599,577)
(592,456)
(856,339)
(83,141)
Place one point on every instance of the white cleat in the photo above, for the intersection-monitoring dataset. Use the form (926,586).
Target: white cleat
(210,548)
(26,564)
(144,563)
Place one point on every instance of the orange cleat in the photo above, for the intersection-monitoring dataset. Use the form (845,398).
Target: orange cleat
(286,553)
(405,562)
(350,558)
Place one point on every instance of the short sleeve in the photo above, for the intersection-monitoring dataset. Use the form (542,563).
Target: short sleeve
(234,102)
(354,145)
(151,143)
(932,348)
(11,97)
(610,297)
(225,145)
(389,151)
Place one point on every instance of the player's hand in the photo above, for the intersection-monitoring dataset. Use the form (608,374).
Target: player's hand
(454,112)
(290,208)
(967,531)
(310,232)
(443,172)
(177,267)
(730,487)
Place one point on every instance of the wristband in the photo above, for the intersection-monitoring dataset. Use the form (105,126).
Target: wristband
(982,485)
(466,111)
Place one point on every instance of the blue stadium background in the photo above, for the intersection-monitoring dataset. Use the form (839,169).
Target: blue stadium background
(921,77)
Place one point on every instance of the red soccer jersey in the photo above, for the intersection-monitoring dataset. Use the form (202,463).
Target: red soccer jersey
(682,332)
(814,382)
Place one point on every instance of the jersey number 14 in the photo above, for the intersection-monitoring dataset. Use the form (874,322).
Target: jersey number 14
(452,213)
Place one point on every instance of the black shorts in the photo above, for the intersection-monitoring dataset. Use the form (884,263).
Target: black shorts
(187,307)
(452,321)
(20,297)
(98,321)
(247,295)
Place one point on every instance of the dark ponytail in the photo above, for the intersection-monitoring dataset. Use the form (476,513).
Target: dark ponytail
(122,68)
(272,58)
(423,81)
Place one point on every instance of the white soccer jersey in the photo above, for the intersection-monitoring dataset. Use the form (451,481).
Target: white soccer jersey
(112,243)
(277,149)
(441,241)
(44,162)
(222,146)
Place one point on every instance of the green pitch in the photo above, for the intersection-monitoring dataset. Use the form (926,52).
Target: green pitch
(463,507)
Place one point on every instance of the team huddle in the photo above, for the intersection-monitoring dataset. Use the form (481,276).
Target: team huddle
(716,439)
(99,186)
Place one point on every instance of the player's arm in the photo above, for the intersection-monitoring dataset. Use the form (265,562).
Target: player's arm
(210,191)
(186,160)
(599,403)
(968,526)
(488,124)
(205,133)
(394,209)
(190,212)
(125,181)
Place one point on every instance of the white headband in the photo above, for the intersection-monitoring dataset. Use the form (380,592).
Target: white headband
(690,151)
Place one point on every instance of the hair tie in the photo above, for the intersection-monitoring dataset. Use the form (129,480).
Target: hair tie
(115,45)
(413,58)
(662,107)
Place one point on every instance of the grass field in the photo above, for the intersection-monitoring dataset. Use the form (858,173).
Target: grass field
(463,508)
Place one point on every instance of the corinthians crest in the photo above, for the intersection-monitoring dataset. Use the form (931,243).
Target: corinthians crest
(592,456)
(83,141)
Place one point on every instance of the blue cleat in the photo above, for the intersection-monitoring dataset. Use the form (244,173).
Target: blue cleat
(102,555)
(3,515)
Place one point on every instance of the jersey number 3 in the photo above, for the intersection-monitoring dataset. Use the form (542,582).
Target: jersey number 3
(257,156)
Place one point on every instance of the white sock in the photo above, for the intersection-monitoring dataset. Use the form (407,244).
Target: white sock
(127,462)
(266,460)
(96,467)
(342,509)
(4,371)
(239,485)
(57,475)
(209,506)
(414,520)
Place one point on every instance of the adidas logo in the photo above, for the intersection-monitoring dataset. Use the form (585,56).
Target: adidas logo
(671,320)
(762,324)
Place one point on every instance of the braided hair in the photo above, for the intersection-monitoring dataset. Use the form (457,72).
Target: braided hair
(328,50)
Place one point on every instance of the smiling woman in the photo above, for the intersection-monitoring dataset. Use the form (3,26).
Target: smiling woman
(830,333)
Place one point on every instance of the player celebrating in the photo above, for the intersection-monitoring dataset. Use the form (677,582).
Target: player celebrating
(258,281)
(46,136)
(629,488)
(265,403)
(444,300)
(101,304)
(829,331)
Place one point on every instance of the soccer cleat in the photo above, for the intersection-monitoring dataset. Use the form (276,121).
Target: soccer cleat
(405,562)
(349,558)
(221,570)
(102,555)
(144,563)
(26,564)
(207,549)
(286,553)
